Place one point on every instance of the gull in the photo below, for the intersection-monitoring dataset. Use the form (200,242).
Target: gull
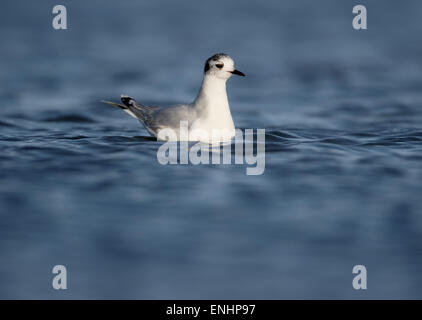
(206,119)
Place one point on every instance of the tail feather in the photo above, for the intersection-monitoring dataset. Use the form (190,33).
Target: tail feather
(115,104)
(121,106)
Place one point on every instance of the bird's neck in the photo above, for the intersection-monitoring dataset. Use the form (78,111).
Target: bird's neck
(213,108)
(213,94)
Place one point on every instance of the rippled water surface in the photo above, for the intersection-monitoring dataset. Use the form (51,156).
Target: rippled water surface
(80,184)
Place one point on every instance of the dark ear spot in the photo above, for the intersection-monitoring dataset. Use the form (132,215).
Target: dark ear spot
(207,67)
(220,65)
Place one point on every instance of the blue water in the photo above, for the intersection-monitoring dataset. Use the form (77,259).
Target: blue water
(80,184)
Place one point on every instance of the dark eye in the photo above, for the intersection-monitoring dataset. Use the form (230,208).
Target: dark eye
(219,66)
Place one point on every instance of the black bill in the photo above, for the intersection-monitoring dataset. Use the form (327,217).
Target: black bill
(237,72)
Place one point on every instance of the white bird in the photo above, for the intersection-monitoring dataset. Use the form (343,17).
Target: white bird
(208,118)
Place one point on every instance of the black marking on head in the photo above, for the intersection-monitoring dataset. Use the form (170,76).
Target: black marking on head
(207,66)
(215,57)
(218,56)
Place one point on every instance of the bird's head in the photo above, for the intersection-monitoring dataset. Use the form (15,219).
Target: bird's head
(221,66)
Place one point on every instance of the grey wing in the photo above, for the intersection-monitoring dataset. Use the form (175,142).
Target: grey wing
(141,112)
(155,118)
(170,117)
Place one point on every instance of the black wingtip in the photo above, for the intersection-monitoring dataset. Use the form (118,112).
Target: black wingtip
(125,99)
